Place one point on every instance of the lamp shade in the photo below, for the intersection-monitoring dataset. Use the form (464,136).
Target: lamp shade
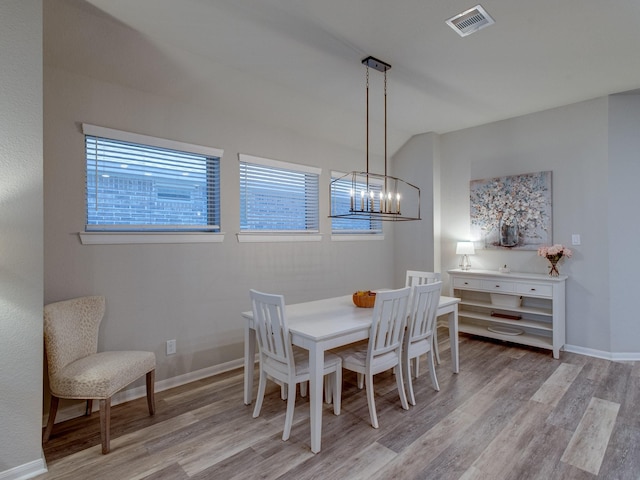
(465,248)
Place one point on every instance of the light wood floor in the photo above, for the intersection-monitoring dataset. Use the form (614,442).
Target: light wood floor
(511,413)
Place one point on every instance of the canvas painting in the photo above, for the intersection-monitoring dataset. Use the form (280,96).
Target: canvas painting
(512,212)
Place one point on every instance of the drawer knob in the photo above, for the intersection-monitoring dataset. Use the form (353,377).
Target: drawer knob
(497,286)
(533,289)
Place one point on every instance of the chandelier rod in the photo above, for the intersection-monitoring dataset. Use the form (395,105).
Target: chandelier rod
(367,100)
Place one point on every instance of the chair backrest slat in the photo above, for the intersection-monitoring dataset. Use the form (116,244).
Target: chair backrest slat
(271,328)
(389,320)
(415,277)
(422,313)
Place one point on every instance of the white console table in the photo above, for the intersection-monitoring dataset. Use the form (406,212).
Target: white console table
(529,308)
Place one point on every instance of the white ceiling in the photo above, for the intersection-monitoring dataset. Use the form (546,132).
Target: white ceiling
(296,63)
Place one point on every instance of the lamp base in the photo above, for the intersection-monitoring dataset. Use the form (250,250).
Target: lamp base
(464,263)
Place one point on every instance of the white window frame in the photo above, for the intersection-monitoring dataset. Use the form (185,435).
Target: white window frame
(353,235)
(252,236)
(141,237)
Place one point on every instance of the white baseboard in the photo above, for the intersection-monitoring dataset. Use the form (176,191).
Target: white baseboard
(613,356)
(27,470)
(77,410)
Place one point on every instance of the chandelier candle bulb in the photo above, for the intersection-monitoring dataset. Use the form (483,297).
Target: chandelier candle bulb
(362,200)
(397,203)
(371,201)
(351,193)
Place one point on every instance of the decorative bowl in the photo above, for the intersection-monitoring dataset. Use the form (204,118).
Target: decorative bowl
(364,298)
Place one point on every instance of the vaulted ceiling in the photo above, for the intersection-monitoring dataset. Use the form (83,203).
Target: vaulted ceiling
(297,63)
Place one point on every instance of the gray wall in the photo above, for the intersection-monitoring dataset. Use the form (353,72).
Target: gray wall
(193,293)
(572,142)
(414,241)
(624,228)
(20,237)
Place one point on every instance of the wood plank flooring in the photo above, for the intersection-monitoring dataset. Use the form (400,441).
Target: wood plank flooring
(511,413)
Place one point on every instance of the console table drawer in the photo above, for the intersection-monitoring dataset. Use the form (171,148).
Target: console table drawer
(466,283)
(498,286)
(534,289)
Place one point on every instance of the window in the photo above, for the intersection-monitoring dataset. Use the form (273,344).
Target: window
(342,187)
(138,183)
(277,196)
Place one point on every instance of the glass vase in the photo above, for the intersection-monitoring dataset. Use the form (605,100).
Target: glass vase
(553,267)
(508,234)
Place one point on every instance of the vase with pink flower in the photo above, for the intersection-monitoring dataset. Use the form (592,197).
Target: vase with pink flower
(553,254)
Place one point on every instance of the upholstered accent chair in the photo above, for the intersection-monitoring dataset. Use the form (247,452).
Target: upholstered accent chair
(78,371)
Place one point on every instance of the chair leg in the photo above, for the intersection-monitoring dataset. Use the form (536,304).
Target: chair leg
(291,404)
(432,371)
(105,424)
(151,399)
(328,389)
(360,380)
(53,409)
(400,383)
(434,340)
(371,401)
(407,376)
(261,388)
(304,386)
(337,391)
(88,409)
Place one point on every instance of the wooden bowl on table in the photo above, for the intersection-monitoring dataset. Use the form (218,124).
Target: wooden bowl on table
(364,298)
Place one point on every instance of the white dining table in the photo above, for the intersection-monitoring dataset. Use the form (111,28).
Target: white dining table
(321,325)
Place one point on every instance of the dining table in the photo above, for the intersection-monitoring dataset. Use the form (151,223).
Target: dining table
(321,325)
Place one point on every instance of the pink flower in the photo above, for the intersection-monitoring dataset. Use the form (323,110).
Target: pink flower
(556,250)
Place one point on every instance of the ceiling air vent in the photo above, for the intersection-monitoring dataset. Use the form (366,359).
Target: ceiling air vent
(470,21)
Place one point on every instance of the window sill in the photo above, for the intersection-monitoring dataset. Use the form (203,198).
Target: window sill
(278,237)
(351,237)
(126,238)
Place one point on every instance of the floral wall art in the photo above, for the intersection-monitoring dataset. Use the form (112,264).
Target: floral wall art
(512,212)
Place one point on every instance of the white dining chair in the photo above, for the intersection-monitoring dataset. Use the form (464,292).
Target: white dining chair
(418,339)
(384,348)
(416,277)
(280,361)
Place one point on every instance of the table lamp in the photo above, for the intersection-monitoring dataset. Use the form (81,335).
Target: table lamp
(465,249)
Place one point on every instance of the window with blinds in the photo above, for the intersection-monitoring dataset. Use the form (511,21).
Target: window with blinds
(139,183)
(277,196)
(341,188)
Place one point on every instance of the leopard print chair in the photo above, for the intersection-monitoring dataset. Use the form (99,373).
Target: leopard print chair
(78,371)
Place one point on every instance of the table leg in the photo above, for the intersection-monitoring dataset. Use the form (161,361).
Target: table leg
(249,360)
(453,339)
(316,369)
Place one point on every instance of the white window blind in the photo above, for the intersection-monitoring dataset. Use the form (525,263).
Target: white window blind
(277,196)
(132,186)
(341,188)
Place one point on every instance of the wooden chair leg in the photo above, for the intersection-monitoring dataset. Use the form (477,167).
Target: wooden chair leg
(288,419)
(53,409)
(105,424)
(151,399)
(370,400)
(336,391)
(434,345)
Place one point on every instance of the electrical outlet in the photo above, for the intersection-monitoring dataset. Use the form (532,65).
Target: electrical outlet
(171,347)
(575,239)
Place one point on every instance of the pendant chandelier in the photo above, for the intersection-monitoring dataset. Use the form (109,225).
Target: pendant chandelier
(373,196)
